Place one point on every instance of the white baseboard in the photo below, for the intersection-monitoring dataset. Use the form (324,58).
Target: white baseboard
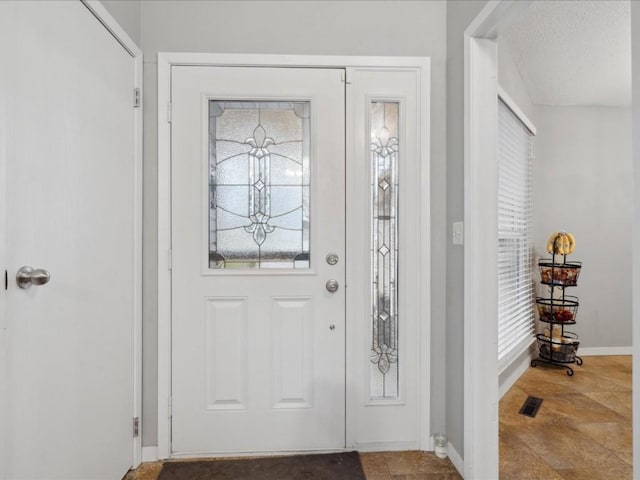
(150,454)
(515,373)
(456,459)
(384,446)
(598,351)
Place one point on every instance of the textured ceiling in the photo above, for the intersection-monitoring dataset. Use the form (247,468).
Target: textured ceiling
(574,52)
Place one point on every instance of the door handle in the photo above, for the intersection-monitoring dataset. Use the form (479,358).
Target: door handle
(332,285)
(27,276)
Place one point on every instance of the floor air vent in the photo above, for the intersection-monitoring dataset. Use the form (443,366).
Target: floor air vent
(531,406)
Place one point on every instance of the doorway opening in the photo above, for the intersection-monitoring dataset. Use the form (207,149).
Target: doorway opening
(380,356)
(481,456)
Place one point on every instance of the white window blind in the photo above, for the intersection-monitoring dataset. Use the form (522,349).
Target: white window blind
(515,249)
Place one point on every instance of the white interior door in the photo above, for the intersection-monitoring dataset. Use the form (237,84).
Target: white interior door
(258,340)
(68,125)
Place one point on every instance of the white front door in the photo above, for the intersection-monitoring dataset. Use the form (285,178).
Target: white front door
(67,130)
(258,243)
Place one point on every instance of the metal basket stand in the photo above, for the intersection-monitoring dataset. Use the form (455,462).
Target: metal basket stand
(558,312)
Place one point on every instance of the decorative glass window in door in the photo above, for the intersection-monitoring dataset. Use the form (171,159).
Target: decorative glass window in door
(259,177)
(384,117)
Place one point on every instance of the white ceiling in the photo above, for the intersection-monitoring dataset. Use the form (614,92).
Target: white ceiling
(574,52)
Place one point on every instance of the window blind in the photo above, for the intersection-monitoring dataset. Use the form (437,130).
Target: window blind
(515,250)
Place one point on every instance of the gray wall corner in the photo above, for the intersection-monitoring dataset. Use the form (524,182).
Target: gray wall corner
(128,15)
(459,15)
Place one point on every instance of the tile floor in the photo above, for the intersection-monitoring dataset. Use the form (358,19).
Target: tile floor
(407,466)
(583,427)
(581,432)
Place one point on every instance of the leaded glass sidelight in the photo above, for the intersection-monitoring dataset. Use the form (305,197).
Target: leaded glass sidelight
(259,177)
(384,250)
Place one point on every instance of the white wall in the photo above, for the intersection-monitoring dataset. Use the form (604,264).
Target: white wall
(583,183)
(398,28)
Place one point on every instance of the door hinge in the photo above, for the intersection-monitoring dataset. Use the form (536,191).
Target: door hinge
(170,407)
(169,112)
(136,426)
(136,97)
(170,259)
(345,76)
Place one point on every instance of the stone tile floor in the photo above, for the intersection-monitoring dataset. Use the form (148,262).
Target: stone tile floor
(582,430)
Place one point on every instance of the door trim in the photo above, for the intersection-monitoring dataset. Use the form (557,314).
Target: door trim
(118,33)
(165,62)
(480,242)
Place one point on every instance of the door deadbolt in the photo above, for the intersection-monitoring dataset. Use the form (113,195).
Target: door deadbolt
(332,258)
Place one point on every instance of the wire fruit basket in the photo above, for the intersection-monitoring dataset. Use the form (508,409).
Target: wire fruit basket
(558,349)
(557,310)
(561,274)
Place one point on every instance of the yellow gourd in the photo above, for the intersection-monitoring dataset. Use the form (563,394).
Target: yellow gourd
(562,243)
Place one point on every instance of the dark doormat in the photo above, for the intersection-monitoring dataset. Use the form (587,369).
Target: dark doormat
(333,466)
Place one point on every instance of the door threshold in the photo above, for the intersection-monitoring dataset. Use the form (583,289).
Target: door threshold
(267,453)
(364,447)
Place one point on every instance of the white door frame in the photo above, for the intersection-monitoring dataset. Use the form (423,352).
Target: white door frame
(105,18)
(110,23)
(635,306)
(3,263)
(165,62)
(480,250)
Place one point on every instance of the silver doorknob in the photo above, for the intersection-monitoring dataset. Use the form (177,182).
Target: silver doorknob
(27,276)
(332,285)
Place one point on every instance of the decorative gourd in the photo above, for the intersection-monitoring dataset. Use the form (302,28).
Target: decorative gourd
(562,243)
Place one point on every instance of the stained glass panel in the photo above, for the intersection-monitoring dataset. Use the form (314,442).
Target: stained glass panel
(259,181)
(384,250)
